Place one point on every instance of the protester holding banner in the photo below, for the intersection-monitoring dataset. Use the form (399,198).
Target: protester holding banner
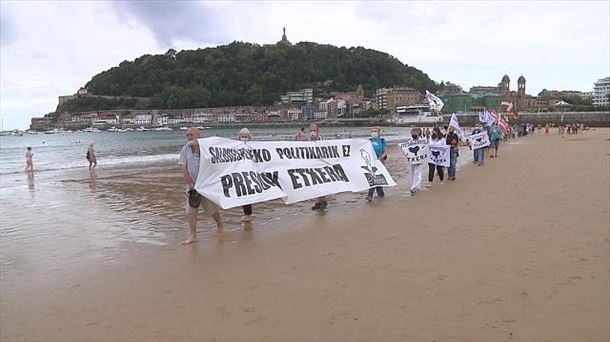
(479,153)
(301,136)
(314,135)
(244,135)
(435,141)
(417,165)
(189,160)
(381,151)
(453,140)
(496,135)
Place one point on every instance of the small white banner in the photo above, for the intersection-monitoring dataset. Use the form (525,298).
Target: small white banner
(440,154)
(234,173)
(415,150)
(479,140)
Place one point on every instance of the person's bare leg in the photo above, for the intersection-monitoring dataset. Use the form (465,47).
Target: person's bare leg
(192,218)
(220,230)
(94,164)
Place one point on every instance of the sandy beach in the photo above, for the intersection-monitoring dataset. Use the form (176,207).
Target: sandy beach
(516,250)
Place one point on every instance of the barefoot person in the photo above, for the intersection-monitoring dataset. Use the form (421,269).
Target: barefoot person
(416,169)
(29,164)
(91,157)
(314,135)
(381,151)
(189,160)
(244,135)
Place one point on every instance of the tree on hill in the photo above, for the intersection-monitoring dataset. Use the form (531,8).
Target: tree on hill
(250,74)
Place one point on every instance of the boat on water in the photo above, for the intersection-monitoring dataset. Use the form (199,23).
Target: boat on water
(142,129)
(164,128)
(183,128)
(415,114)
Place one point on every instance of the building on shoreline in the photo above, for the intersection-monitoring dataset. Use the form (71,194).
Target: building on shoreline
(601,92)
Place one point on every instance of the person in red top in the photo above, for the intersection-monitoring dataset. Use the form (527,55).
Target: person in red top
(452,139)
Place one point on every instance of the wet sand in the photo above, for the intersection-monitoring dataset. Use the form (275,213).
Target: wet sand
(532,264)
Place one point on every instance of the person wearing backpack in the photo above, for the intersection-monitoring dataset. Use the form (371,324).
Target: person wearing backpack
(496,135)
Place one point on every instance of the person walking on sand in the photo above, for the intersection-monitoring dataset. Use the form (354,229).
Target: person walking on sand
(496,135)
(546,130)
(29,164)
(301,136)
(453,140)
(479,153)
(416,169)
(381,151)
(436,140)
(245,136)
(91,157)
(189,161)
(314,135)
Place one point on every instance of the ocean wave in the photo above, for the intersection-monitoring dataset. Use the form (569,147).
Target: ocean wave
(102,161)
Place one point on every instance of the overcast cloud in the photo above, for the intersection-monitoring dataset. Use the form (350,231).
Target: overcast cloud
(53,48)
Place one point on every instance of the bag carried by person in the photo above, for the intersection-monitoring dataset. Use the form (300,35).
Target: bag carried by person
(194,198)
(88,155)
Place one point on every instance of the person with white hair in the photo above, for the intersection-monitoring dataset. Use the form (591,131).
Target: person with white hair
(244,135)
(189,161)
(91,157)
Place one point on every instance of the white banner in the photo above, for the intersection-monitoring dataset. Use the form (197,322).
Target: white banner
(440,154)
(479,140)
(234,173)
(415,150)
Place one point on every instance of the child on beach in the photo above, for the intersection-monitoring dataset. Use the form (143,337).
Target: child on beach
(29,164)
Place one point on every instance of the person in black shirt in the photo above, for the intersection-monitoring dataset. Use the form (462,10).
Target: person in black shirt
(452,139)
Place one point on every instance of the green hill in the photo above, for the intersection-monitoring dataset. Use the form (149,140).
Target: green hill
(246,74)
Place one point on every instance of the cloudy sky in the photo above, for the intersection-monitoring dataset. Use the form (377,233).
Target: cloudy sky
(53,48)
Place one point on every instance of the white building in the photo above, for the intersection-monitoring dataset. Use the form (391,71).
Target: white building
(142,119)
(226,117)
(301,96)
(601,90)
(294,114)
(162,120)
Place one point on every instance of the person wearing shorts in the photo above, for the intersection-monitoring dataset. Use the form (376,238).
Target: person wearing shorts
(189,161)
(496,135)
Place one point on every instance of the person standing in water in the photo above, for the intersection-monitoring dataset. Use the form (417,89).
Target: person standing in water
(314,135)
(91,157)
(245,136)
(29,164)
(381,151)
(416,169)
(189,161)
(301,136)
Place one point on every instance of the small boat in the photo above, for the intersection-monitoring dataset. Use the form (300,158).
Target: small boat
(164,128)
(142,129)
(183,128)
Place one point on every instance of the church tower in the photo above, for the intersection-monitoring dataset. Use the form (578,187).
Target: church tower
(284,38)
(504,86)
(521,86)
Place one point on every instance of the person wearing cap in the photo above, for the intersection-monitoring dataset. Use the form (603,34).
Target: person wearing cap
(244,135)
